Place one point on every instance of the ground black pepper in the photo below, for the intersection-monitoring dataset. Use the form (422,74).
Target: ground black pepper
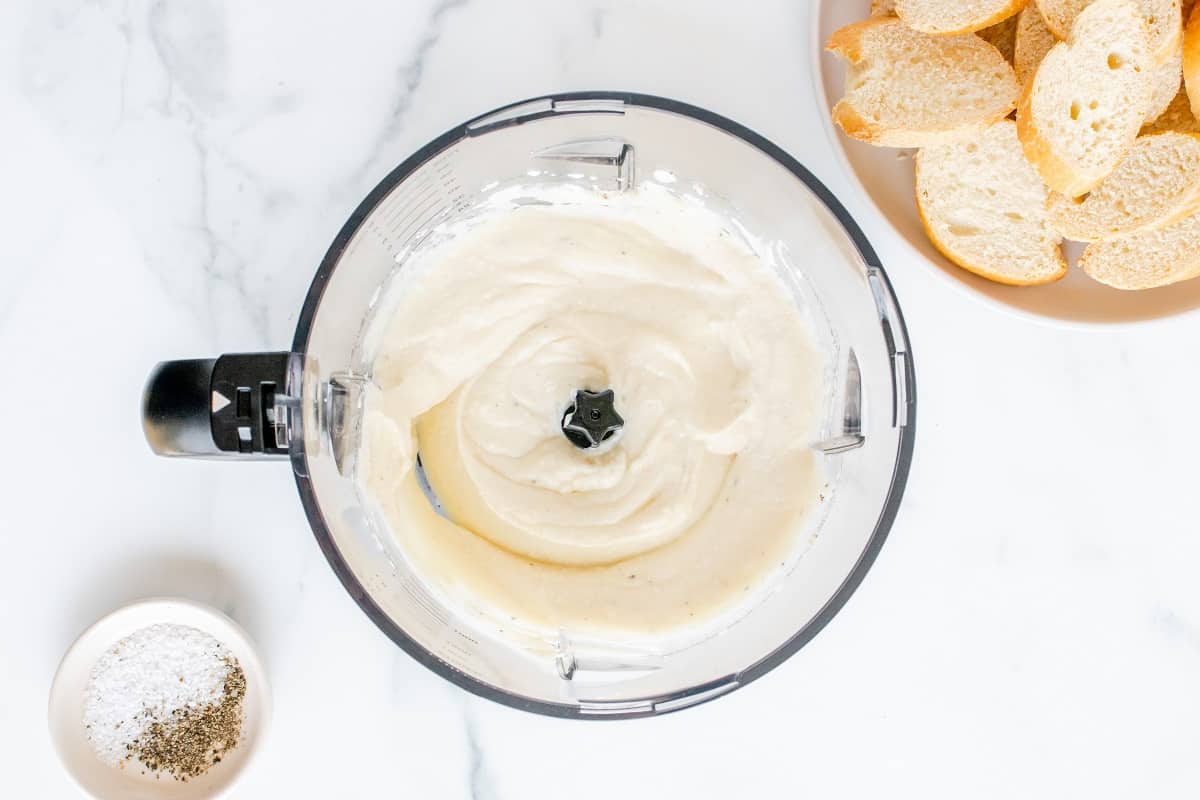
(194,739)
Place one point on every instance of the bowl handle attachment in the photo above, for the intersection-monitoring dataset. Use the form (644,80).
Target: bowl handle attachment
(240,405)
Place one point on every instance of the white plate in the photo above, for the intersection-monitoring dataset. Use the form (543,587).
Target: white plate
(66,704)
(886,176)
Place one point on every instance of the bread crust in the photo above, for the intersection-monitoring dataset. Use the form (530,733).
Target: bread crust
(847,41)
(1191,60)
(1055,172)
(859,127)
(983,272)
(1010,8)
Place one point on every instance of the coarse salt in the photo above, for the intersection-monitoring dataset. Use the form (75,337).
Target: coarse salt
(145,678)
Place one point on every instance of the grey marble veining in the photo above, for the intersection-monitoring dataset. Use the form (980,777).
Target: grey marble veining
(173,172)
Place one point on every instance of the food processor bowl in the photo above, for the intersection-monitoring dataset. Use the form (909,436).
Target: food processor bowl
(307,404)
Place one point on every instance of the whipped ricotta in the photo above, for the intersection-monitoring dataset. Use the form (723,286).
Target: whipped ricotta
(716,373)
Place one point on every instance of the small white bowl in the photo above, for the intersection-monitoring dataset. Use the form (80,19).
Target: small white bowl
(67,700)
(886,177)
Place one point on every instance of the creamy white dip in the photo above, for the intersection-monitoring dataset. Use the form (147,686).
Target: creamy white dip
(702,496)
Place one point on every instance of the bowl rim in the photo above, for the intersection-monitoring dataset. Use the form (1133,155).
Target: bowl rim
(893,331)
(164,610)
(818,59)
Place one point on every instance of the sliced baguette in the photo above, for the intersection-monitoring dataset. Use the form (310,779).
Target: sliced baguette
(952,17)
(1148,259)
(984,208)
(1034,40)
(909,89)
(1156,184)
(1088,99)
(1177,117)
(1163,17)
(883,8)
(1003,37)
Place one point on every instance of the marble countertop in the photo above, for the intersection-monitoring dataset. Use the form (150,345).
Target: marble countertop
(172,171)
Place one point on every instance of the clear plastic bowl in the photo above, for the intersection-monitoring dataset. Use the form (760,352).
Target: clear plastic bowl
(610,141)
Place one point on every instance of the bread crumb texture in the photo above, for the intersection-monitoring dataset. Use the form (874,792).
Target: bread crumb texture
(950,17)
(905,88)
(984,208)
(1156,184)
(1147,260)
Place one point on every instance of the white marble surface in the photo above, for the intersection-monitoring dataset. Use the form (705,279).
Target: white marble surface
(170,175)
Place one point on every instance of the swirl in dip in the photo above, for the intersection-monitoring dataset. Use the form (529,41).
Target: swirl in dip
(701,498)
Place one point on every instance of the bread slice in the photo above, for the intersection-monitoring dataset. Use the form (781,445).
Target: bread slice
(952,17)
(1060,14)
(1034,40)
(1191,59)
(1003,36)
(1164,18)
(1177,117)
(1156,184)
(1088,99)
(909,89)
(984,208)
(1165,82)
(1148,259)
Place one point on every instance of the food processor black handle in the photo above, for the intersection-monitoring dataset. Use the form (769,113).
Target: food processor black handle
(236,406)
